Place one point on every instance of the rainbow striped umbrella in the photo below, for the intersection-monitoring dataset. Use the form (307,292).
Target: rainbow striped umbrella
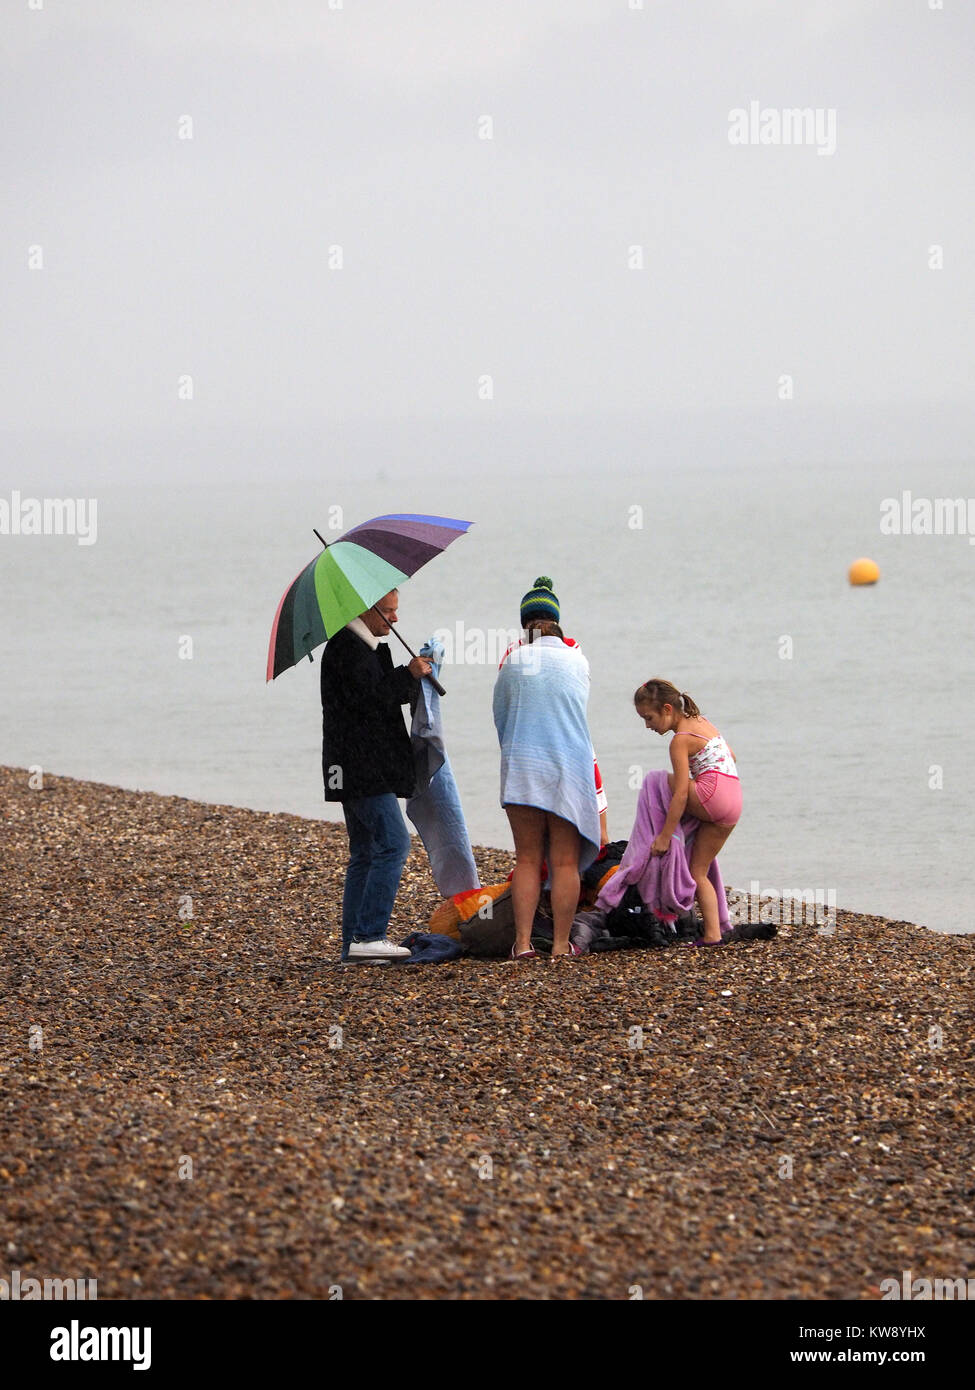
(349,576)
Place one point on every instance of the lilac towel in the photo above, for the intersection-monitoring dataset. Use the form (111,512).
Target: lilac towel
(663,880)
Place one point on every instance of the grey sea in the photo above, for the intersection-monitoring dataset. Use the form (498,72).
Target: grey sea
(139,660)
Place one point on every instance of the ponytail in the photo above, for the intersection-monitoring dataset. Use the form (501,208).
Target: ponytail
(688,706)
(657,693)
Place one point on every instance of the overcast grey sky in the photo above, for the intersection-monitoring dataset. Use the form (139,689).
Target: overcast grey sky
(359,127)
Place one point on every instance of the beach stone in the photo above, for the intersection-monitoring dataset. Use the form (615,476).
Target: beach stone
(199,1102)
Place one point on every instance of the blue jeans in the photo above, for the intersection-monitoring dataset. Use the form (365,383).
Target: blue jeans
(379,845)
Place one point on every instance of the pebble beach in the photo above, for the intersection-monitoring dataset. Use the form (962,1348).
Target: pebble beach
(200,1102)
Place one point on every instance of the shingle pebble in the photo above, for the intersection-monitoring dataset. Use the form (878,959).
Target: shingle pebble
(214,1107)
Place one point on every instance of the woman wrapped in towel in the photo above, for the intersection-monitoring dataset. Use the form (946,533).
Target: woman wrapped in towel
(540,613)
(547,787)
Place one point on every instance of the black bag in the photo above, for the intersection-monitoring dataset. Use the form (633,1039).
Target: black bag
(633,921)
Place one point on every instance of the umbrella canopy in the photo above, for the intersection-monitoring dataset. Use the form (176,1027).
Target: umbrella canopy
(349,576)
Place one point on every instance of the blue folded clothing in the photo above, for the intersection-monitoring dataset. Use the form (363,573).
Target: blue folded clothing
(431,948)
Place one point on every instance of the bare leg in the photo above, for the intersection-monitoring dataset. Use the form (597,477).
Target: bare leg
(563,864)
(528,828)
(707,841)
(694,807)
(603,829)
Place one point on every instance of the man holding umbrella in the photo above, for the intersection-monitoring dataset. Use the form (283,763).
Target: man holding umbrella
(367,763)
(367,757)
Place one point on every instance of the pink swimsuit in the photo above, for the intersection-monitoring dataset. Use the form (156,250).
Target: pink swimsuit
(716,781)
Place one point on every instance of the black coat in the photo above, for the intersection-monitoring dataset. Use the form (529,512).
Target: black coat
(366,748)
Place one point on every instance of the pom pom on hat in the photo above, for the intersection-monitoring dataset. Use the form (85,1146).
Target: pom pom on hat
(540,602)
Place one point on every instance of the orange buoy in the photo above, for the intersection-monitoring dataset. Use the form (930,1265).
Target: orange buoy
(864,571)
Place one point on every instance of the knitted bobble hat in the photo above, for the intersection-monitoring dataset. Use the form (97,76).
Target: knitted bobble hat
(540,602)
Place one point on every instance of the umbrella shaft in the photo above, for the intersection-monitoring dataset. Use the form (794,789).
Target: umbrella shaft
(392,627)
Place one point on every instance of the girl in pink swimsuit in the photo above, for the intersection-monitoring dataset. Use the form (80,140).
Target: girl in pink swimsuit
(697,751)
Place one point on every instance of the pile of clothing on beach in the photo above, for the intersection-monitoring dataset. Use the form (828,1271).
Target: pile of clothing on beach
(480,922)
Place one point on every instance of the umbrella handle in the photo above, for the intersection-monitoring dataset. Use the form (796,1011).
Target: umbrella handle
(435,683)
(392,627)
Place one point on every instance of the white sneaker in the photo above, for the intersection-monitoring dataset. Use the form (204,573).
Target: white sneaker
(377,950)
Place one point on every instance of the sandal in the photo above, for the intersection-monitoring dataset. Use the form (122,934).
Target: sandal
(530,954)
(702,942)
(572,951)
